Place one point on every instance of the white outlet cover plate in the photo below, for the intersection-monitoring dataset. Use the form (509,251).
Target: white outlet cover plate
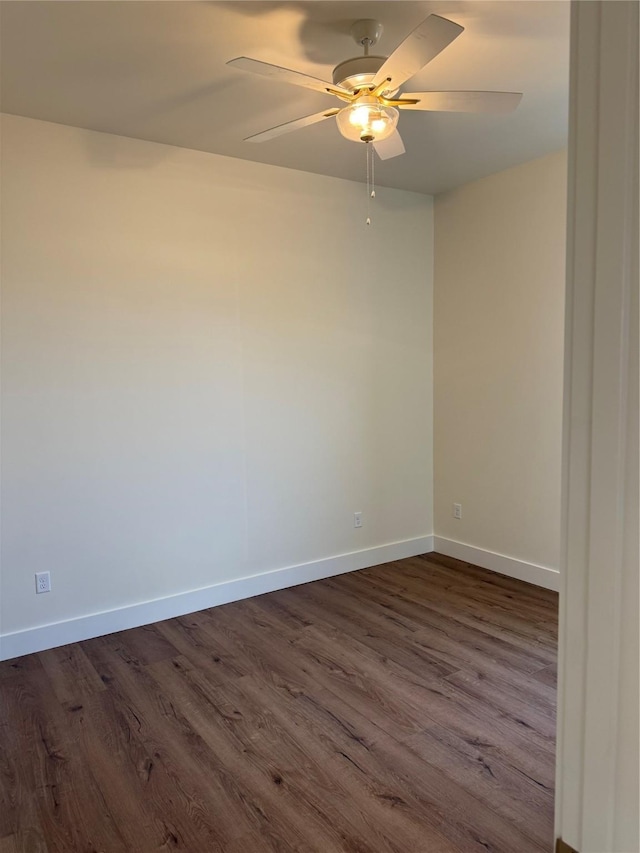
(43,582)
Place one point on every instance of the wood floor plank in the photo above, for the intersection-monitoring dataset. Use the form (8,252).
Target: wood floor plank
(487,586)
(320,667)
(417,648)
(22,815)
(457,586)
(522,589)
(145,645)
(188,639)
(364,801)
(58,805)
(350,615)
(535,719)
(262,843)
(258,769)
(442,702)
(465,818)
(406,707)
(171,743)
(462,714)
(71,674)
(22,666)
(135,782)
(508,792)
(429,608)
(476,662)
(360,762)
(501,617)
(256,717)
(8,780)
(422,702)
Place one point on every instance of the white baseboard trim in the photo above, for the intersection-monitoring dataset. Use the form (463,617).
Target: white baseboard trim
(529,572)
(134,615)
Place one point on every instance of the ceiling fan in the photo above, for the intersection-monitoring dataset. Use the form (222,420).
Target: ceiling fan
(370,85)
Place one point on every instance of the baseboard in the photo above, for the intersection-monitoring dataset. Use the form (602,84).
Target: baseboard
(134,615)
(529,572)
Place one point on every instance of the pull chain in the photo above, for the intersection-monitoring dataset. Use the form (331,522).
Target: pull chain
(371,183)
(366,148)
(373,174)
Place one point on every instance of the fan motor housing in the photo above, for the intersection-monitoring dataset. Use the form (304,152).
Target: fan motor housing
(358,72)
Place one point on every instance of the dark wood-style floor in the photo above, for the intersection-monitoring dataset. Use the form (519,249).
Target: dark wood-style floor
(406,708)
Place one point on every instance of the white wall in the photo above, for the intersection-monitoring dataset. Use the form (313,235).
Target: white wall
(208,366)
(498,367)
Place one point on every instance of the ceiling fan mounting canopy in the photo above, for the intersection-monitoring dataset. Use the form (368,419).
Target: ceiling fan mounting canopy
(369,85)
(366,32)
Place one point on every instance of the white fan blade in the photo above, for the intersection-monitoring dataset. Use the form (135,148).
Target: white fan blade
(291,125)
(285,75)
(419,48)
(464,102)
(393,146)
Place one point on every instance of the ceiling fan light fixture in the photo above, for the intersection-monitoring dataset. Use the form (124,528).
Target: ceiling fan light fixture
(370,86)
(367,120)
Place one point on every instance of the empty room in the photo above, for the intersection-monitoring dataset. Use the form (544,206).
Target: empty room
(319,502)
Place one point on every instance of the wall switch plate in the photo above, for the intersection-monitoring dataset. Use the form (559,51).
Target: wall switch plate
(357,519)
(43,582)
(457,510)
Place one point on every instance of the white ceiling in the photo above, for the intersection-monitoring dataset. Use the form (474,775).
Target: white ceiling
(156,71)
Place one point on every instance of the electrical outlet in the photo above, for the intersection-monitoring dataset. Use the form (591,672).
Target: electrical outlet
(357,519)
(457,511)
(43,582)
